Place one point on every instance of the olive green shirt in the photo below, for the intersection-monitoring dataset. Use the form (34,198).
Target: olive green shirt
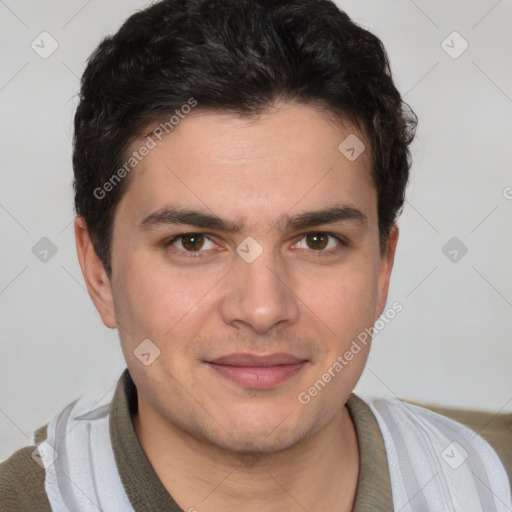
(22,478)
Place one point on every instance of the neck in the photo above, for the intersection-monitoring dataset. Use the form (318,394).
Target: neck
(320,473)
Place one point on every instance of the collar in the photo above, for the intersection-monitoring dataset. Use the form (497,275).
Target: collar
(147,493)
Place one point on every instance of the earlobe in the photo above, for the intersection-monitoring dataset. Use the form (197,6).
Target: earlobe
(386,266)
(96,279)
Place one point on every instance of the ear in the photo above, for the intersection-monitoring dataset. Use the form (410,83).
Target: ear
(96,279)
(386,265)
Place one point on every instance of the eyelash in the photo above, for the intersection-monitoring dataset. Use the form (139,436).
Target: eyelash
(316,253)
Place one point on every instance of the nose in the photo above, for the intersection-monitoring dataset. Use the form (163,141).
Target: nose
(259,295)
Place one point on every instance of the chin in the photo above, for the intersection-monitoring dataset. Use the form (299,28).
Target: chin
(265,436)
(253,443)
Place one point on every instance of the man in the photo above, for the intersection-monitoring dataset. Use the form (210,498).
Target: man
(239,168)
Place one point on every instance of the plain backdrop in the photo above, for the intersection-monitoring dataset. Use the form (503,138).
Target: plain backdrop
(451,343)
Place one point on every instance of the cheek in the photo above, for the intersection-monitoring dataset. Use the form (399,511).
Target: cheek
(346,300)
(343,313)
(158,302)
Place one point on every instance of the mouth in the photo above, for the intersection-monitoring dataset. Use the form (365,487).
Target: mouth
(258,372)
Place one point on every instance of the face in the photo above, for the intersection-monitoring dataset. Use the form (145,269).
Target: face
(247,252)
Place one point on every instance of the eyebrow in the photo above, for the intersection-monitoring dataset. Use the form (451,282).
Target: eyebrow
(204,220)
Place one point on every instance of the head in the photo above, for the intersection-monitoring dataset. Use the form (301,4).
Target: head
(271,133)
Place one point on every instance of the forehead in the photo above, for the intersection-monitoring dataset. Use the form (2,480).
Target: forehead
(288,157)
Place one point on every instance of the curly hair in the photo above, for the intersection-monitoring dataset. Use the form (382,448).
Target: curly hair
(239,56)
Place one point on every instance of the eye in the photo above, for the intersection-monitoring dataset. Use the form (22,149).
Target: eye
(190,243)
(321,242)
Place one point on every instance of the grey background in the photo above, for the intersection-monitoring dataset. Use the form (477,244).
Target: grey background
(450,345)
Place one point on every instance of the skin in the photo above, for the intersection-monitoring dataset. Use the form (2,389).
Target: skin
(214,444)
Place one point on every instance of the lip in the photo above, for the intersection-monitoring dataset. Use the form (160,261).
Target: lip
(245,359)
(257,371)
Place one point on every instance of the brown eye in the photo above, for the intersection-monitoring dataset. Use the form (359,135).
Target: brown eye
(192,242)
(190,245)
(317,240)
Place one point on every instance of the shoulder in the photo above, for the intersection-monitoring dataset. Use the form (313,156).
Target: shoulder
(496,429)
(425,443)
(410,423)
(22,480)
